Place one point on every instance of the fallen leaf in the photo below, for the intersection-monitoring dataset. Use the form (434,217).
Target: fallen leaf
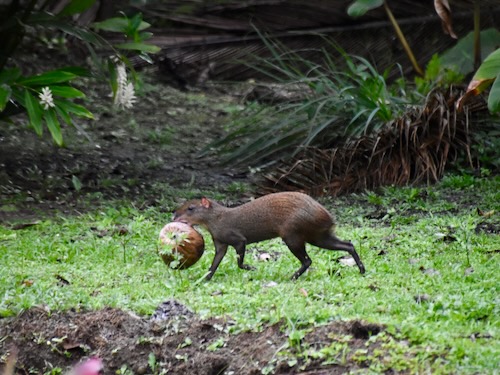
(485,213)
(264,257)
(303,292)
(419,298)
(72,345)
(476,86)
(347,261)
(28,282)
(429,271)
(271,284)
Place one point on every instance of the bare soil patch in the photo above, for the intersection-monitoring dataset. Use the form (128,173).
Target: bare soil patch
(179,342)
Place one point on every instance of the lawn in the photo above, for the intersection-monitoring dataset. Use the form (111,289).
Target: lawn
(431,255)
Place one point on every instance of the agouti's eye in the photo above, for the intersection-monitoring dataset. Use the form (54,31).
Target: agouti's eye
(190,208)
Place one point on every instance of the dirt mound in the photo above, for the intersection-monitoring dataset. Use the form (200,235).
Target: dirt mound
(173,341)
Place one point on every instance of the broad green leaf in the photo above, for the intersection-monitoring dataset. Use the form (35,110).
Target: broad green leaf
(9,75)
(76,109)
(35,112)
(149,48)
(66,92)
(54,126)
(360,7)
(494,97)
(5,93)
(490,67)
(75,7)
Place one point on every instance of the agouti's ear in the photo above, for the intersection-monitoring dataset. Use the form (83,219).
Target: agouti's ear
(205,202)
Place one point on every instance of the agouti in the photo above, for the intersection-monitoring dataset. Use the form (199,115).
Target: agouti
(295,217)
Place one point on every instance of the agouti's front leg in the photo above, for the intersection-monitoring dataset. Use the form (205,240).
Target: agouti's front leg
(220,252)
(240,250)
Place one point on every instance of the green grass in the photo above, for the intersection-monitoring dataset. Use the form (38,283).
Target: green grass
(414,242)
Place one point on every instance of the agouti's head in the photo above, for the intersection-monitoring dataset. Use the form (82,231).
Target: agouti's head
(192,212)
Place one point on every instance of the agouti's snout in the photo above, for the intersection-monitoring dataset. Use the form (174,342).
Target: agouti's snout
(295,217)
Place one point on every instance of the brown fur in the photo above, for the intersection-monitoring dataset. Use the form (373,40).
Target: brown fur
(295,217)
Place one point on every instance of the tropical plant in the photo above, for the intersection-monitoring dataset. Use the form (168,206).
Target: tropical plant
(438,75)
(333,104)
(48,97)
(415,148)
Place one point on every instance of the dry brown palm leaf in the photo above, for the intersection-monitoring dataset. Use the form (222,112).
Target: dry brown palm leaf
(415,148)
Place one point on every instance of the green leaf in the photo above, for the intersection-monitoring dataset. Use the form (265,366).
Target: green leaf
(76,70)
(76,6)
(134,22)
(460,57)
(145,35)
(47,78)
(494,97)
(9,75)
(77,184)
(112,77)
(78,32)
(144,56)
(76,109)
(64,115)
(34,112)
(54,126)
(5,93)
(490,67)
(487,74)
(66,92)
(121,24)
(149,48)
(360,7)
(54,76)
(117,24)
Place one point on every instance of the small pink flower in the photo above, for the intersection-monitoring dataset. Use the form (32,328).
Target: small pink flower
(91,366)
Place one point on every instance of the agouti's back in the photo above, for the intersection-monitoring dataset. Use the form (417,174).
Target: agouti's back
(276,215)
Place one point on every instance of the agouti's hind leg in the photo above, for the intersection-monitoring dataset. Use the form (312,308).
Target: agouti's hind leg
(298,248)
(330,242)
